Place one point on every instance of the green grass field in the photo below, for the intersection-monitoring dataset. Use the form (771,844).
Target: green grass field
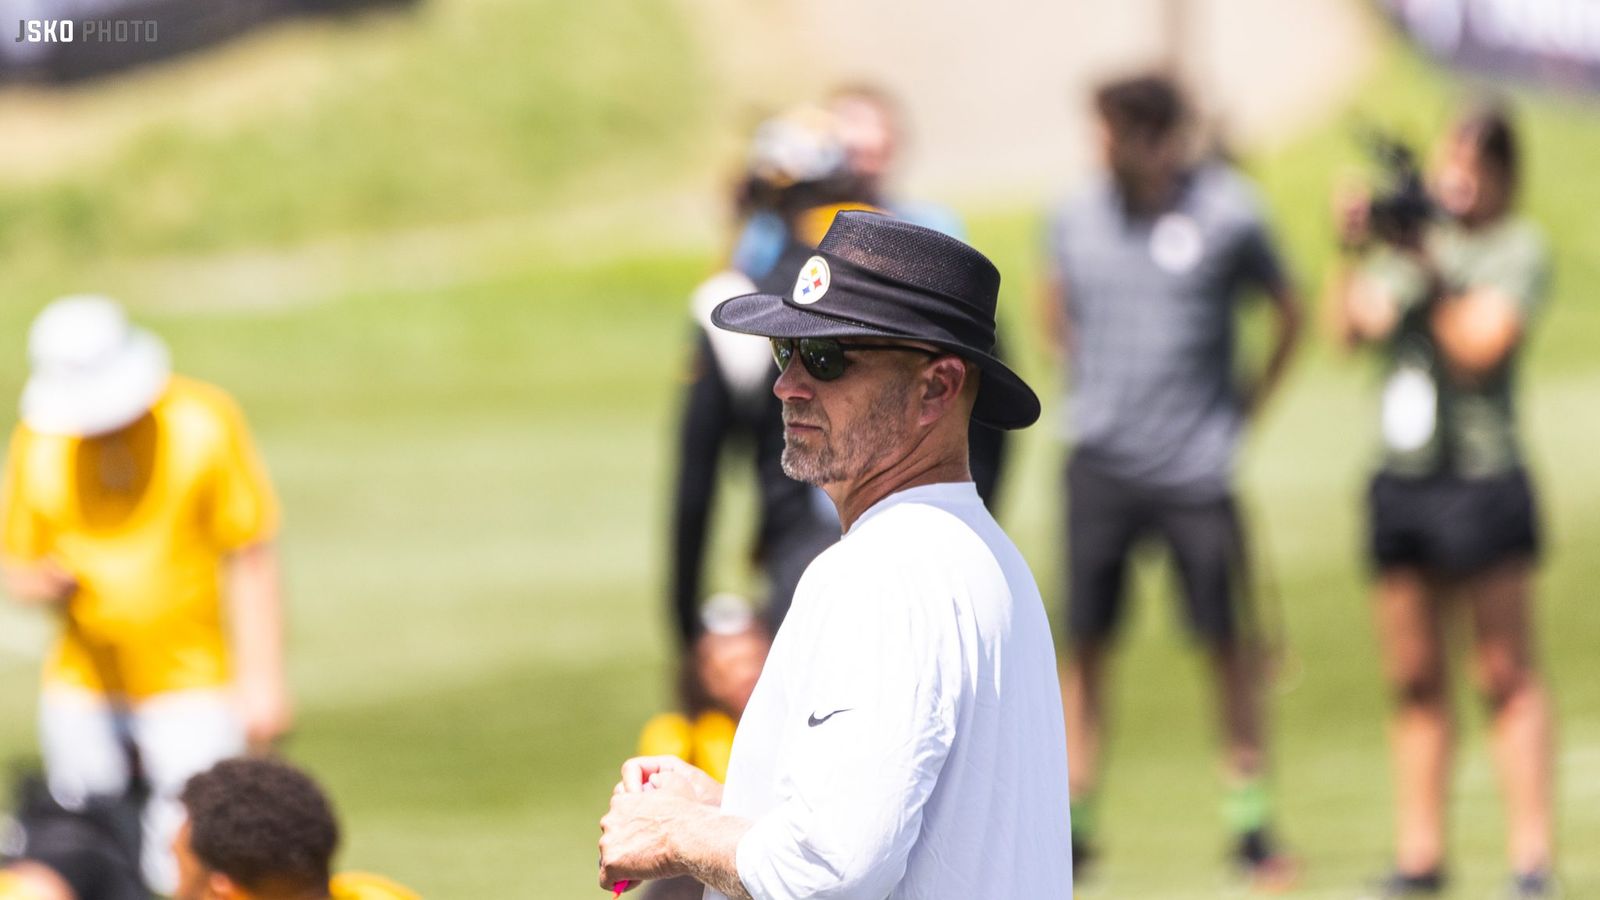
(474,466)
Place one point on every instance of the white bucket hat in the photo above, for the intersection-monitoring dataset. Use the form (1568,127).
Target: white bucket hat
(93,371)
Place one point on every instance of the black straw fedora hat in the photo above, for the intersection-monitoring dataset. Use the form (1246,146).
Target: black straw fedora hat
(876,276)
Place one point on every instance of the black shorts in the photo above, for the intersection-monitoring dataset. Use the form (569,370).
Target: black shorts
(1108,517)
(1451,525)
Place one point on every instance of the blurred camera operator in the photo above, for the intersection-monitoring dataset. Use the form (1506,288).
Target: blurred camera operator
(1446,301)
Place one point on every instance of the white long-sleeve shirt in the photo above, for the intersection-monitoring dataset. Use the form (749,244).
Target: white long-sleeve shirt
(905,739)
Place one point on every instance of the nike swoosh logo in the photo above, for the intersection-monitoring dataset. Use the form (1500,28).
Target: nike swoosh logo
(813,721)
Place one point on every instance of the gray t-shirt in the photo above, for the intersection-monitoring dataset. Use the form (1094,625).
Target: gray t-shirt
(1152,397)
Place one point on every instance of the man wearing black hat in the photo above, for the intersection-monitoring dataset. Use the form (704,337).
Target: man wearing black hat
(906,736)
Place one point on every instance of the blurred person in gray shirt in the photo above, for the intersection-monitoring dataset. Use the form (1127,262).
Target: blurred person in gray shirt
(1148,264)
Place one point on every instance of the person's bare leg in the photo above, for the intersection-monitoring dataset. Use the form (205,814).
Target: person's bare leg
(1247,809)
(1519,707)
(1410,631)
(1237,666)
(1082,696)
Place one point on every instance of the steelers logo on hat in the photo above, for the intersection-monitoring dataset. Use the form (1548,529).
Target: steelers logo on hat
(812,282)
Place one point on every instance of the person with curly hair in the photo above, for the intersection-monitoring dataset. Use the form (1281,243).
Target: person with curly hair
(260,829)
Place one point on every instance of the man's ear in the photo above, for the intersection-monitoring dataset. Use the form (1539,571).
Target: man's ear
(944,379)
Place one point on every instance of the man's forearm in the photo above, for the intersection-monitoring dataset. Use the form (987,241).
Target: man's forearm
(1367,312)
(1290,322)
(707,848)
(1477,331)
(258,614)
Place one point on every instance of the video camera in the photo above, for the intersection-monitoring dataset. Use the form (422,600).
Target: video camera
(1400,206)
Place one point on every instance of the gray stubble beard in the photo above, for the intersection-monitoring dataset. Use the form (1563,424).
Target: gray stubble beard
(858,451)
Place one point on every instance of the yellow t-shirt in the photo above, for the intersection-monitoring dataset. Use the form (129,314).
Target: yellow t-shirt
(363,886)
(143,521)
(706,743)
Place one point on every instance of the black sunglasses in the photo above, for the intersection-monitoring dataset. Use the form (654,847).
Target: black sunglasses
(824,357)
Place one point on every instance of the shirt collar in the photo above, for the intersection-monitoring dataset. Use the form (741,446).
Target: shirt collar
(944,493)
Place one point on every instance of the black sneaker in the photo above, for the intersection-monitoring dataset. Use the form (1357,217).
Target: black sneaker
(1399,885)
(1264,864)
(1532,886)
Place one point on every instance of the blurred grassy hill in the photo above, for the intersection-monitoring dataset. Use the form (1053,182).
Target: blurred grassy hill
(427,255)
(458,111)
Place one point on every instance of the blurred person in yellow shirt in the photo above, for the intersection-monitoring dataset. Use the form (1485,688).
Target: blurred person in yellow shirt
(130,496)
(260,829)
(726,663)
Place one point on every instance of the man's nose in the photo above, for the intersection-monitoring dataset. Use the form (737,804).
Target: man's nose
(794,382)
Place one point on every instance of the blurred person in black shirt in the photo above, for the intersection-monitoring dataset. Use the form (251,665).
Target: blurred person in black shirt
(89,851)
(872,127)
(804,167)
(797,169)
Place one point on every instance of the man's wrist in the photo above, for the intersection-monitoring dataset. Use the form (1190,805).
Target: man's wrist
(697,818)
(676,863)
(706,847)
(678,853)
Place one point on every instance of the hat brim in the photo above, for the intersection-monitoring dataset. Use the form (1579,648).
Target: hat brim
(101,400)
(1004,400)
